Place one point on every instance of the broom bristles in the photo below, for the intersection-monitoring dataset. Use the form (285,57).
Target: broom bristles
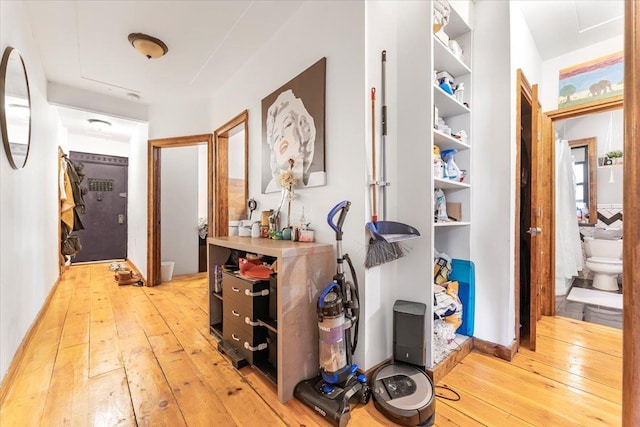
(380,252)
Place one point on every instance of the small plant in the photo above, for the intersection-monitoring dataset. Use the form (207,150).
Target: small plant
(614,154)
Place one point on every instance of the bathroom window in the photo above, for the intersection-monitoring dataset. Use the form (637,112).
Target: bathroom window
(580,169)
(585,170)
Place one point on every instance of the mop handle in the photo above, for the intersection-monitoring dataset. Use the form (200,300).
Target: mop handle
(383,148)
(374,189)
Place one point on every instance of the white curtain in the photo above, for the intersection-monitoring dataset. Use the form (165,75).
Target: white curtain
(568,246)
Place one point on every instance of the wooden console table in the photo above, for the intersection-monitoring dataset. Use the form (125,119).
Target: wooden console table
(304,269)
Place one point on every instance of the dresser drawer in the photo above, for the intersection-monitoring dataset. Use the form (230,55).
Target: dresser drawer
(246,297)
(252,343)
(241,317)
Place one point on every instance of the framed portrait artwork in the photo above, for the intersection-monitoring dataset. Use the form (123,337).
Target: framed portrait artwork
(293,131)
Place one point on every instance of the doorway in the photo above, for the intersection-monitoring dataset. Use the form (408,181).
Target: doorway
(528,227)
(104,236)
(154,213)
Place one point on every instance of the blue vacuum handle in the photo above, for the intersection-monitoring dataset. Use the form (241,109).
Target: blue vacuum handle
(343,208)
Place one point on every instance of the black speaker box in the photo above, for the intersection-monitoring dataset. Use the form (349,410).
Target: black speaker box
(409,340)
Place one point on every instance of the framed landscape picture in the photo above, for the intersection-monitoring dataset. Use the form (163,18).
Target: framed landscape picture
(591,81)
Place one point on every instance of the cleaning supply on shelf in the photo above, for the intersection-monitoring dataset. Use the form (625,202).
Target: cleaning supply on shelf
(441,206)
(451,170)
(438,165)
(460,93)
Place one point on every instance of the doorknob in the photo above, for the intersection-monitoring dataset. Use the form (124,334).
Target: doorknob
(534,231)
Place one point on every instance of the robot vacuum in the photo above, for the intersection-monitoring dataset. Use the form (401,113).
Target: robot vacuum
(404,394)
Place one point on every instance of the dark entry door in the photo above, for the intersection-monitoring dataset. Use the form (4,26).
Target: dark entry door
(105,221)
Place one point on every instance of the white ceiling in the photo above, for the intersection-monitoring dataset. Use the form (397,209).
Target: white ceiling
(84,43)
(77,122)
(562,26)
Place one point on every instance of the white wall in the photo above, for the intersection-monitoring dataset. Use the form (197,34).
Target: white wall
(179,208)
(29,205)
(493,163)
(381,282)
(334,30)
(137,199)
(551,68)
(97,145)
(202,181)
(524,53)
(598,125)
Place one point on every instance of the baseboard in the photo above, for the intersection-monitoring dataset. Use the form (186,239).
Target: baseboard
(497,350)
(137,271)
(445,366)
(28,337)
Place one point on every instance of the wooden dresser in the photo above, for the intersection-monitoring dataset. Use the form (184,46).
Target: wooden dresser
(241,318)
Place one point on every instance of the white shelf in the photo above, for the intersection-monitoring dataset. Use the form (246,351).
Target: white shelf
(449,184)
(451,224)
(447,105)
(456,26)
(446,142)
(445,60)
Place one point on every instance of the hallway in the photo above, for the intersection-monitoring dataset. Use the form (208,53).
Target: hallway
(107,355)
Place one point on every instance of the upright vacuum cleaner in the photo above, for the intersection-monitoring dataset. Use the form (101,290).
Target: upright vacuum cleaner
(338,310)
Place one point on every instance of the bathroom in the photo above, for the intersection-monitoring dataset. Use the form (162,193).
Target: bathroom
(589,221)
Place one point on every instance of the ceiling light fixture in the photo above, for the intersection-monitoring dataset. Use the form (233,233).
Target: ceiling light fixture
(99,125)
(150,47)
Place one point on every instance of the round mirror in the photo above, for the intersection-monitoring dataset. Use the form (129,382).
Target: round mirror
(15,108)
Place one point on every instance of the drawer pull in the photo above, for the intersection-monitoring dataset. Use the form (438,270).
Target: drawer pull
(235,337)
(262,293)
(250,322)
(235,313)
(256,348)
(234,289)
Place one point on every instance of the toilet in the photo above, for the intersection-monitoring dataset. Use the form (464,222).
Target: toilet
(604,259)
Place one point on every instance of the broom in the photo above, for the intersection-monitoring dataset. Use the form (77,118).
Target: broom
(379,251)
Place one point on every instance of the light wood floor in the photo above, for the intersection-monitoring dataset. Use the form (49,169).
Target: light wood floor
(105,355)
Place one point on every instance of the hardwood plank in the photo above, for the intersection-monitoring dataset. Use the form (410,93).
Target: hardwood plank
(589,335)
(109,400)
(197,398)
(52,387)
(153,401)
(76,330)
(150,319)
(526,359)
(212,366)
(482,411)
(292,412)
(67,401)
(448,416)
(104,353)
(535,395)
(598,366)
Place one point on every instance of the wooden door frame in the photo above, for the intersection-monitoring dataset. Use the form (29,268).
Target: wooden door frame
(631,254)
(524,89)
(153,195)
(221,182)
(549,283)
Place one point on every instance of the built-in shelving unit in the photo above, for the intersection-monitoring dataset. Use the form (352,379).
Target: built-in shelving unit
(453,238)
(420,56)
